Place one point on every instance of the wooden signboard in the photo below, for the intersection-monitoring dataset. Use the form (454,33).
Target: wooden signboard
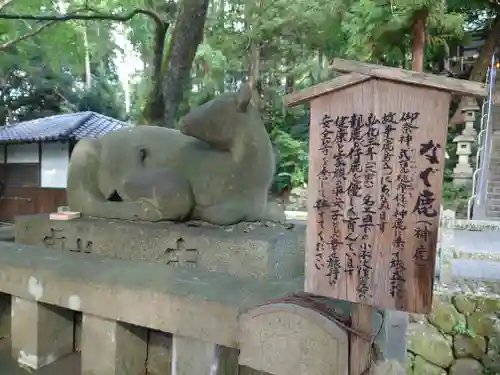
(377,144)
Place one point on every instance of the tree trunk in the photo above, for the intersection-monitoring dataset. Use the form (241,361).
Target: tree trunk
(289,83)
(480,68)
(418,43)
(186,36)
(155,105)
(252,22)
(446,58)
(86,51)
(254,73)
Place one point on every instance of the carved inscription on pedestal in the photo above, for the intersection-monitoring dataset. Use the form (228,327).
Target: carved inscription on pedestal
(181,255)
(56,239)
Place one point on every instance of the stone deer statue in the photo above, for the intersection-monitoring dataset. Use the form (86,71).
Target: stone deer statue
(217,168)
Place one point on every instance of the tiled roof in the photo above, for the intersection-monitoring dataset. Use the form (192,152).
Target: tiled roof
(68,126)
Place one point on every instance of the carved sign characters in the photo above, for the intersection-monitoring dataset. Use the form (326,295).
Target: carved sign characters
(180,255)
(57,240)
(376,169)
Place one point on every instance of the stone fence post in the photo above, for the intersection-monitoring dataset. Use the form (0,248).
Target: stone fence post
(446,243)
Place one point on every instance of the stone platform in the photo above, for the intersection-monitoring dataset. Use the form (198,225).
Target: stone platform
(196,307)
(245,249)
(244,254)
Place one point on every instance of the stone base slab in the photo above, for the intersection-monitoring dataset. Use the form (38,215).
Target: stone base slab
(243,250)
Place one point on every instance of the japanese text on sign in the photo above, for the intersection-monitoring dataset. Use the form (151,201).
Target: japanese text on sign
(369,180)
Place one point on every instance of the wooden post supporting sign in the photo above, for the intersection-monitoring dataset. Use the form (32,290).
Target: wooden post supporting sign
(377,145)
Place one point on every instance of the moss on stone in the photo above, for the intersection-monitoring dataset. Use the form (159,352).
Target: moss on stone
(464,304)
(466,346)
(488,305)
(446,317)
(422,367)
(466,366)
(430,344)
(483,324)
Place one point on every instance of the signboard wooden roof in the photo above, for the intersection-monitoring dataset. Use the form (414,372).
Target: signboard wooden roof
(375,181)
(362,71)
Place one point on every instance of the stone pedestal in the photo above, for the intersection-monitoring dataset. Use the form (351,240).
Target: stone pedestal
(246,250)
(40,333)
(112,348)
(242,250)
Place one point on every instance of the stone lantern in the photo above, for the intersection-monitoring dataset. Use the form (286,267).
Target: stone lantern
(462,173)
(469,108)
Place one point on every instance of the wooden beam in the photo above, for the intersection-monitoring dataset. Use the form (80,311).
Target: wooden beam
(300,97)
(360,348)
(456,86)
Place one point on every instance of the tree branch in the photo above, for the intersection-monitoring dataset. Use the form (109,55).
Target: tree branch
(97,16)
(10,43)
(52,20)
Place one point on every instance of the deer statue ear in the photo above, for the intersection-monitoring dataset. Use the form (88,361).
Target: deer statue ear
(243,97)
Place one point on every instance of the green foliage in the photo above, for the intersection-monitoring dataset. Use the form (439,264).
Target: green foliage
(45,73)
(380,30)
(461,329)
(291,147)
(101,98)
(455,198)
(292,160)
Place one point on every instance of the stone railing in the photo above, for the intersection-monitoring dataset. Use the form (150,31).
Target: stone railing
(470,256)
(122,298)
(175,320)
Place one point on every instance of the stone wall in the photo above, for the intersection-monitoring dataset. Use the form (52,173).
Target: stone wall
(460,337)
(297,200)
